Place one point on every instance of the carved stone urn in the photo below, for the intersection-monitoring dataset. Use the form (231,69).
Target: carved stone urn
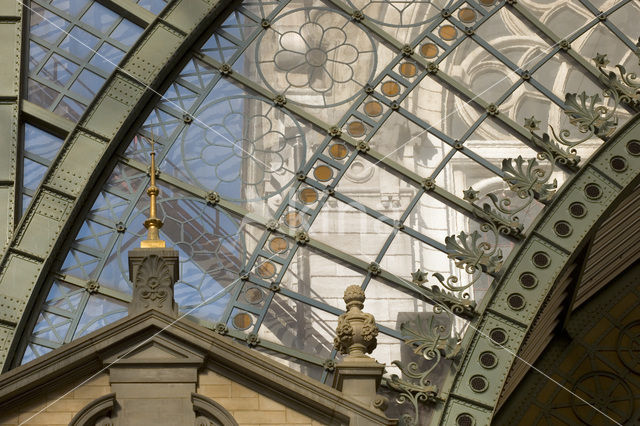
(356,332)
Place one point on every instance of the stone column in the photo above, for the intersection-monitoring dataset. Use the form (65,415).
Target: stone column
(358,375)
(153,272)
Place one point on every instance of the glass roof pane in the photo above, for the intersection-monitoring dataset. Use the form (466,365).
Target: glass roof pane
(71,39)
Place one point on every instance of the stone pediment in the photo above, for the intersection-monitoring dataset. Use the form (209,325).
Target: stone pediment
(157,366)
(157,349)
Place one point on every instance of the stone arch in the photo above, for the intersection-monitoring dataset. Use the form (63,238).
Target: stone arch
(209,412)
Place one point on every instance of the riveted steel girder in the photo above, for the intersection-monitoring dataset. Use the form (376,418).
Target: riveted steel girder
(546,253)
(11,22)
(86,151)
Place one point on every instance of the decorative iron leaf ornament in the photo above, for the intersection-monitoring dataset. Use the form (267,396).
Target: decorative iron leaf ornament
(554,153)
(434,343)
(590,116)
(471,253)
(526,177)
(627,86)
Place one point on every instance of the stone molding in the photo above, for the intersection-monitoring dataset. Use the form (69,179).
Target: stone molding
(94,412)
(220,353)
(208,409)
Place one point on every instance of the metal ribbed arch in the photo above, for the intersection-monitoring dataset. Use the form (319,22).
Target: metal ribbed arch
(561,252)
(84,155)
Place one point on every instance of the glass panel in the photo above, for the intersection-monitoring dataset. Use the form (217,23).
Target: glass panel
(154,6)
(41,143)
(61,48)
(58,69)
(79,43)
(99,17)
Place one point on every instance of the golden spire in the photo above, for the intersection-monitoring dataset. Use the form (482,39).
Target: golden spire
(153,224)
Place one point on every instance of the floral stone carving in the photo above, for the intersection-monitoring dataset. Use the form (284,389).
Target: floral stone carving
(356,332)
(153,285)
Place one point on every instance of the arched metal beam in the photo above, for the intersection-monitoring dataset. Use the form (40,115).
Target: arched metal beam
(582,205)
(86,152)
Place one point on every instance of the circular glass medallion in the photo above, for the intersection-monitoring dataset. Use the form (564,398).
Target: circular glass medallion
(373,108)
(390,88)
(323,173)
(308,195)
(429,50)
(278,245)
(338,151)
(356,129)
(253,295)
(448,32)
(487,2)
(467,15)
(242,321)
(293,219)
(266,270)
(408,69)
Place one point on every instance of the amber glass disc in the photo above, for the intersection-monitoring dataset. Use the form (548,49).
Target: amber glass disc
(308,195)
(253,295)
(448,32)
(323,173)
(293,219)
(242,321)
(391,88)
(266,270)
(467,15)
(278,245)
(338,150)
(408,69)
(373,108)
(429,50)
(356,129)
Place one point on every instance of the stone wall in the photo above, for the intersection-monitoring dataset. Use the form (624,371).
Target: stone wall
(247,406)
(62,411)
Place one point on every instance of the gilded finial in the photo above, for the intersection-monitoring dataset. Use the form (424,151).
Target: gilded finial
(153,224)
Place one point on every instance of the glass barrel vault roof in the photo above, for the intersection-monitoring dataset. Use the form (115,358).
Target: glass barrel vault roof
(304,147)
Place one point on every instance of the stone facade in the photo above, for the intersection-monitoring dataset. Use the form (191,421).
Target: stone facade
(57,407)
(247,406)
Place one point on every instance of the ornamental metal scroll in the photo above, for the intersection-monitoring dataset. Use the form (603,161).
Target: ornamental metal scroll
(472,253)
(627,86)
(434,343)
(530,179)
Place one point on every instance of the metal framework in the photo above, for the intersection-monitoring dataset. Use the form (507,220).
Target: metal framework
(187,77)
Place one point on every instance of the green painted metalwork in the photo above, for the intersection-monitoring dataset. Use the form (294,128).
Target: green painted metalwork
(546,254)
(68,310)
(86,150)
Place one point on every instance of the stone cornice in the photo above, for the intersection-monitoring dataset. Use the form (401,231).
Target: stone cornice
(86,356)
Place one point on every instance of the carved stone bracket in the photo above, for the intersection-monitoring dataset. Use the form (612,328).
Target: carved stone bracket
(153,273)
